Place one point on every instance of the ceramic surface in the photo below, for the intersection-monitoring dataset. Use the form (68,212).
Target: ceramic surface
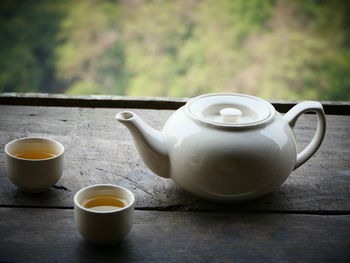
(102,226)
(34,176)
(225,147)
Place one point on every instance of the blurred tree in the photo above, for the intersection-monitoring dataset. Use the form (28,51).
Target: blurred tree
(91,55)
(302,55)
(27,42)
(276,49)
(330,21)
(190,47)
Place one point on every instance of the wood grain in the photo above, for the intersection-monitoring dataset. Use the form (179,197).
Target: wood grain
(99,150)
(178,237)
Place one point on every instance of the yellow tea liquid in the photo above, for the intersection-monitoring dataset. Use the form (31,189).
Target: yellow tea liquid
(35,155)
(105,203)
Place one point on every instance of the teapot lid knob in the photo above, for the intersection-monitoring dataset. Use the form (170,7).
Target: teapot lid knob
(230,115)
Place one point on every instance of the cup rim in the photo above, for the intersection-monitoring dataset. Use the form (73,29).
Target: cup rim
(29,138)
(103,212)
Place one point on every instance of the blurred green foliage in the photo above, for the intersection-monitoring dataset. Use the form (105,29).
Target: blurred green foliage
(276,49)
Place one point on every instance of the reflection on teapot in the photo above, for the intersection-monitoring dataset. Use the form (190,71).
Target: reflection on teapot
(225,147)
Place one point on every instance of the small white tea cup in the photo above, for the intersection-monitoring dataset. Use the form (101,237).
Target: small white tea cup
(103,226)
(34,175)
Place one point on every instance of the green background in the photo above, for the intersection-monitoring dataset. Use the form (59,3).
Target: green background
(181,48)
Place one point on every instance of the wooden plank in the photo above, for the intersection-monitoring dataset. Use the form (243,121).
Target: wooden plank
(48,235)
(100,150)
(108,101)
(95,101)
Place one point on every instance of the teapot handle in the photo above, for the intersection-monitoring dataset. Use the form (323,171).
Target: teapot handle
(291,117)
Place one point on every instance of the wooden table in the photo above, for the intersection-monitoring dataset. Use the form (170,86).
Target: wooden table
(307,220)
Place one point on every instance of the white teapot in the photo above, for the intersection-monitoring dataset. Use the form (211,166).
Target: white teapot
(225,147)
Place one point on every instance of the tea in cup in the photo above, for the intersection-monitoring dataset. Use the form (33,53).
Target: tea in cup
(103,213)
(34,164)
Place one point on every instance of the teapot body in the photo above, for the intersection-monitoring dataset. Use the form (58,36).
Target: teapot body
(229,165)
(226,146)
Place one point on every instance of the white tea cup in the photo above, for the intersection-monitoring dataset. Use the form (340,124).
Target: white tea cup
(103,226)
(34,164)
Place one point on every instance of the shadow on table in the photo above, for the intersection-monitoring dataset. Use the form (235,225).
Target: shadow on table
(117,252)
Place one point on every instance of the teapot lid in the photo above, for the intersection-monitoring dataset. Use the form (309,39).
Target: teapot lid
(230,109)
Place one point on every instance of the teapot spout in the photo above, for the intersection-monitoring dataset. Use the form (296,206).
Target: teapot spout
(150,143)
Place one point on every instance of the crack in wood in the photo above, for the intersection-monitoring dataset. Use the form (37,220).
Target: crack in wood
(136,184)
(61,187)
(183,207)
(175,208)
(324,167)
